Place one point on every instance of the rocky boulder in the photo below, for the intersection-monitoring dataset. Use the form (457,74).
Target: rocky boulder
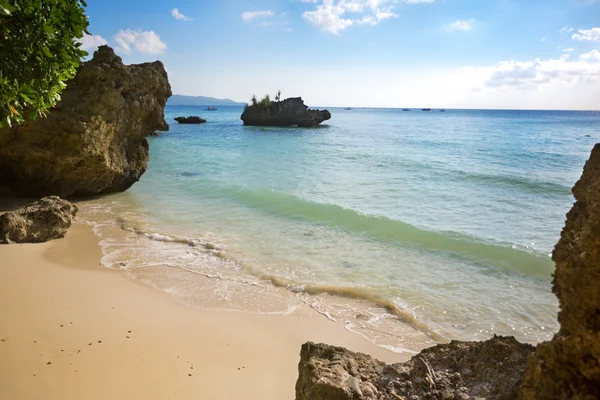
(46,219)
(491,370)
(568,367)
(93,141)
(190,120)
(288,112)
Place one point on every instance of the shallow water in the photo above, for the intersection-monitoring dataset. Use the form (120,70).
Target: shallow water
(444,221)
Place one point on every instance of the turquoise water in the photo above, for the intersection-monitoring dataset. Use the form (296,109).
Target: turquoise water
(375,219)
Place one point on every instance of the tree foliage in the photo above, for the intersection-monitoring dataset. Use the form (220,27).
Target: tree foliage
(38,54)
(265,102)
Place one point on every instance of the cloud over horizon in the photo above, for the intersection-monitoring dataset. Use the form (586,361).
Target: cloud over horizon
(533,74)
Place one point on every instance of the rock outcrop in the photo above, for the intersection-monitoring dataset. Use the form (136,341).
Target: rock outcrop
(93,141)
(46,219)
(190,120)
(491,370)
(568,367)
(288,112)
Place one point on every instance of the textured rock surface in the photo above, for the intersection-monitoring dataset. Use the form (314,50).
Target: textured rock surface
(287,112)
(46,219)
(459,370)
(190,120)
(568,367)
(94,140)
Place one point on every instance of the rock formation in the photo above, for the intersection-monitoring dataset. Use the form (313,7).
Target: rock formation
(568,367)
(287,112)
(46,219)
(190,120)
(491,370)
(93,141)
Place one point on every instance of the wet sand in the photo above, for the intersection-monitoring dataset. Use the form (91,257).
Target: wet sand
(72,329)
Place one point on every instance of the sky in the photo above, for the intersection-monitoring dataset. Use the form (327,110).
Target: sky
(508,54)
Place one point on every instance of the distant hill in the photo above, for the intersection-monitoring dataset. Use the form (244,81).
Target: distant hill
(180,100)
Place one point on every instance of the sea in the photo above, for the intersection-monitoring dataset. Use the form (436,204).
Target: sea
(408,227)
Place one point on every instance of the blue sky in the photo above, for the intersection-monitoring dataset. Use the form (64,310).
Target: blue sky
(525,54)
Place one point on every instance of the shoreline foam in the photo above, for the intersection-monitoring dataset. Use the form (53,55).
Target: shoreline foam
(202,270)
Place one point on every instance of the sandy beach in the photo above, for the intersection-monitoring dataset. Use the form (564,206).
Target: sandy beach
(72,329)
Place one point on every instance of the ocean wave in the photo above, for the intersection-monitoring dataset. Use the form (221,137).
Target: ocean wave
(490,254)
(128,226)
(261,278)
(520,183)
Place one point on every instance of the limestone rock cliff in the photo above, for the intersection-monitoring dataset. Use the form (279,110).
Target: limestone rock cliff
(46,219)
(93,141)
(288,112)
(491,370)
(568,367)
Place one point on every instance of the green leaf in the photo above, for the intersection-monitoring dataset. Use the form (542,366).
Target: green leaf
(6,8)
(47,52)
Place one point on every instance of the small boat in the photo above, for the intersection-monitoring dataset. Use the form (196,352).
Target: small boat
(211,108)
(348,109)
(426,109)
(406,109)
(442,110)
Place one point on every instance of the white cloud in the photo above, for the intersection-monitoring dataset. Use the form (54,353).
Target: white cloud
(384,14)
(252,15)
(465,25)
(336,15)
(418,1)
(328,17)
(593,56)
(570,49)
(146,42)
(543,39)
(91,42)
(537,73)
(177,15)
(592,35)
(564,30)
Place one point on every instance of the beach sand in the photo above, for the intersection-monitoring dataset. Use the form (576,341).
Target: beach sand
(72,329)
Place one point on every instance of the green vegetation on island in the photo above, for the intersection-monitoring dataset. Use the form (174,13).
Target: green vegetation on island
(39,53)
(265,102)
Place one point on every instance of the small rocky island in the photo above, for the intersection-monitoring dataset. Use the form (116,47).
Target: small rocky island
(288,112)
(190,120)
